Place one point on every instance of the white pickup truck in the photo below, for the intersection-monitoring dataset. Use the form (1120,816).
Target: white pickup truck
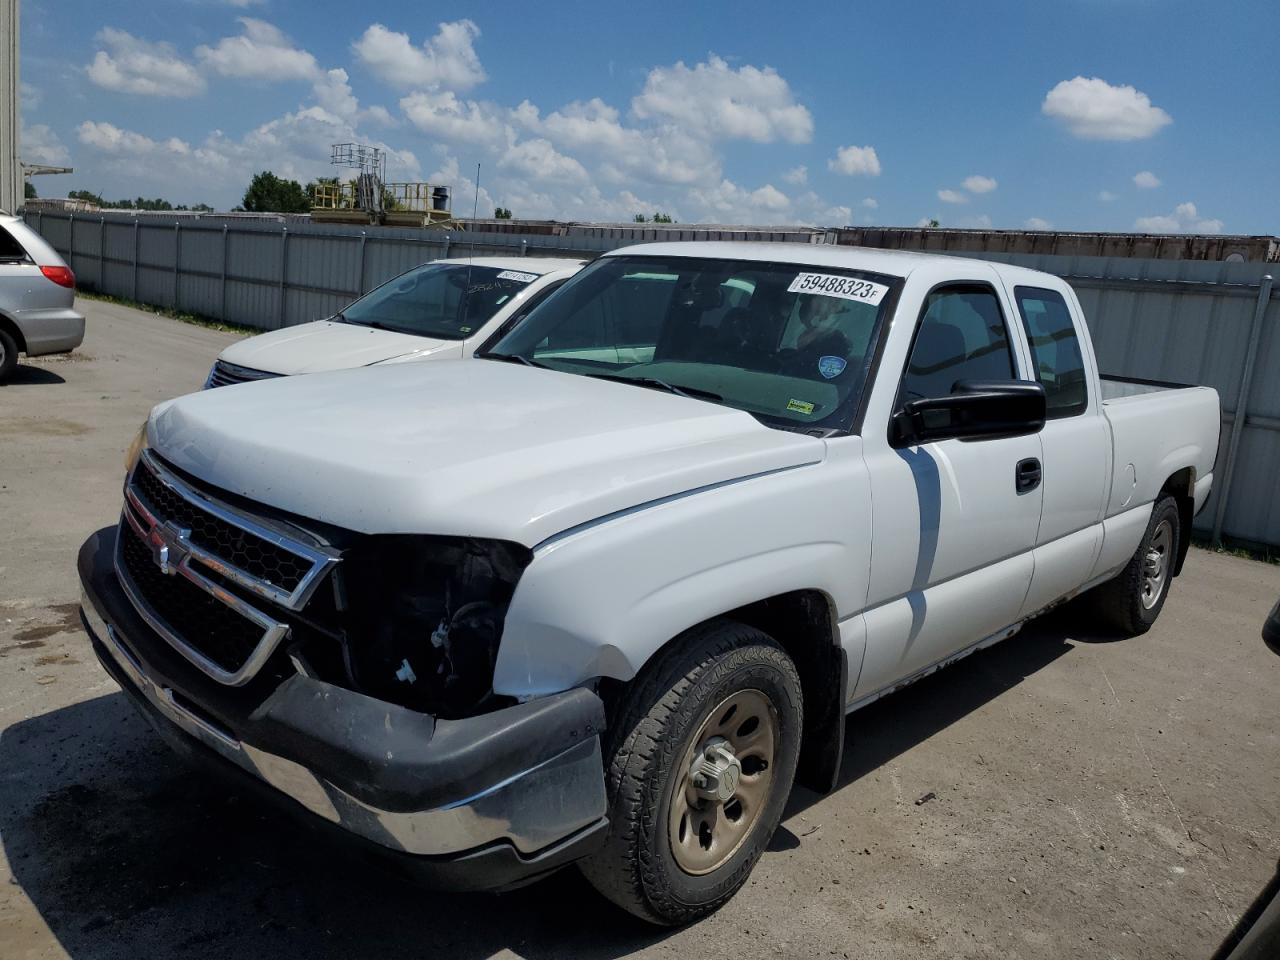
(604,595)
(442,310)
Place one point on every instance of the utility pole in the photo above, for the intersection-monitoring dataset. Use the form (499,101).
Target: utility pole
(11,194)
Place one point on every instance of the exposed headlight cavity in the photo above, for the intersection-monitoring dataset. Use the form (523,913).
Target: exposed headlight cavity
(424,618)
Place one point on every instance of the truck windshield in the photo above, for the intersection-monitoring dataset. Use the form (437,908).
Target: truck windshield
(788,343)
(450,301)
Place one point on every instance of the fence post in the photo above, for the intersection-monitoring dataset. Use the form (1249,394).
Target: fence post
(1242,405)
(71,240)
(177,257)
(222,305)
(284,267)
(446,247)
(102,254)
(524,248)
(135,259)
(360,284)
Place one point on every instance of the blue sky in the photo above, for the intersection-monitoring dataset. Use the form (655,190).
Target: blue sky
(1079,114)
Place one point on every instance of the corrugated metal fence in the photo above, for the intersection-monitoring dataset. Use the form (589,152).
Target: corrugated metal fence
(1188,321)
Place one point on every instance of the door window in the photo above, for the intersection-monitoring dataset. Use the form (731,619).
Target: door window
(962,336)
(1055,350)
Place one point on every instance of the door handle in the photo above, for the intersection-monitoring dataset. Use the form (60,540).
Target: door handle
(1026,475)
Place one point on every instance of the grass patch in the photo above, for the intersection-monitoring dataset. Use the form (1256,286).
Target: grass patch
(195,319)
(1260,552)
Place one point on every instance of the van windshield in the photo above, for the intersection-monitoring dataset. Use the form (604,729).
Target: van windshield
(788,343)
(450,301)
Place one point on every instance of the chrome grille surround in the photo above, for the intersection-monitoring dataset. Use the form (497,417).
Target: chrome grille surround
(225,374)
(176,555)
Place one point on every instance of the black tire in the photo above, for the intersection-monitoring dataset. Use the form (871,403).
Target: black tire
(1124,602)
(8,356)
(651,732)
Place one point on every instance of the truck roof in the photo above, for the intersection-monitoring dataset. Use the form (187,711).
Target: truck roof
(892,262)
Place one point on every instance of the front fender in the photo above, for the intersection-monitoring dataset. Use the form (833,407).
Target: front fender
(599,602)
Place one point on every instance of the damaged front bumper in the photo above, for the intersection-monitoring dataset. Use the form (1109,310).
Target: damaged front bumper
(480,803)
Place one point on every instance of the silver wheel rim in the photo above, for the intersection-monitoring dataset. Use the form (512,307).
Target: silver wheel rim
(723,783)
(1155,564)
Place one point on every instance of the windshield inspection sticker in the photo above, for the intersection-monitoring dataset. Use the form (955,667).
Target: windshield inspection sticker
(831,367)
(846,288)
(800,406)
(517,276)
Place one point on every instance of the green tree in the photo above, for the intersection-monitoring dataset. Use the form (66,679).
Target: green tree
(662,218)
(268,193)
(934,224)
(88,195)
(639,218)
(501,213)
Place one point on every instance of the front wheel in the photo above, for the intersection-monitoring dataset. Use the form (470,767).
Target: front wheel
(8,356)
(1133,599)
(699,766)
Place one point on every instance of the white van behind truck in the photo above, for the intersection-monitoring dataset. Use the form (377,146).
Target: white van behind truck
(37,296)
(443,310)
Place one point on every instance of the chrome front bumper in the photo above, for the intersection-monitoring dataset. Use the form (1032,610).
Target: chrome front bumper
(531,811)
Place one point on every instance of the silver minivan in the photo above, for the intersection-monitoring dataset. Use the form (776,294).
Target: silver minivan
(37,295)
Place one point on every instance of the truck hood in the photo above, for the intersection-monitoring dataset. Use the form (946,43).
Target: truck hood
(468,448)
(328,345)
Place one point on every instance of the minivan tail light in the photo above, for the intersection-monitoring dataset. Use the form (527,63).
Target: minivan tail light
(62,276)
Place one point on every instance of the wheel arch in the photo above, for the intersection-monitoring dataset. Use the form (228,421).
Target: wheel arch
(10,326)
(1181,485)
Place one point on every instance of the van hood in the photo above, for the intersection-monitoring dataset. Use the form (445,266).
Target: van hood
(329,345)
(472,448)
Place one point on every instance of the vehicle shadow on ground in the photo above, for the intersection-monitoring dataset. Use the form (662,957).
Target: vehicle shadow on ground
(127,853)
(26,376)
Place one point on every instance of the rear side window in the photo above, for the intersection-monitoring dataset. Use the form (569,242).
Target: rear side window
(1055,350)
(10,249)
(962,336)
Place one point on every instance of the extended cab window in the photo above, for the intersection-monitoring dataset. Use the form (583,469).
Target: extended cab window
(962,336)
(1055,350)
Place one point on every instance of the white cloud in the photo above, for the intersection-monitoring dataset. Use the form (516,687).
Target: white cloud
(261,52)
(1037,223)
(29,95)
(448,59)
(980,222)
(854,161)
(1184,219)
(1106,196)
(1093,109)
(871,203)
(540,160)
(1146,180)
(243,4)
(979,184)
(727,202)
(443,115)
(797,175)
(333,93)
(131,65)
(749,103)
(926,221)
(39,144)
(952,196)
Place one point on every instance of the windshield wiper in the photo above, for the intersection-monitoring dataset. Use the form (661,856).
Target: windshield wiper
(693,393)
(513,358)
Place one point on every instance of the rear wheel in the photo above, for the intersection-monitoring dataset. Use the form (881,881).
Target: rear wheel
(1133,599)
(8,355)
(700,762)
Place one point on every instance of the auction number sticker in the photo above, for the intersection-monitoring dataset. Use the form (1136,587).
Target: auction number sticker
(846,288)
(517,276)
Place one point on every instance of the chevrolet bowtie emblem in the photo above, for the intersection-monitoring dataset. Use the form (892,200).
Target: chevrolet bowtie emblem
(168,546)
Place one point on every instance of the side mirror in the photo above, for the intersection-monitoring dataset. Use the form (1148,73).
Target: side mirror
(974,409)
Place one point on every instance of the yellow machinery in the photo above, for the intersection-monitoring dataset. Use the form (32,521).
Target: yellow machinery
(368,198)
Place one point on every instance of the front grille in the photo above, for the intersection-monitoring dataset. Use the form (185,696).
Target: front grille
(201,620)
(255,556)
(225,374)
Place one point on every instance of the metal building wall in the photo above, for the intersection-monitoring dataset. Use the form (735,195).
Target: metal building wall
(1189,321)
(10,121)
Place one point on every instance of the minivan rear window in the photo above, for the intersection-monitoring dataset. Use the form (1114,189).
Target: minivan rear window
(10,249)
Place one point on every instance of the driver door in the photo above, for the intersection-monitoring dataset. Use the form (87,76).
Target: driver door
(954,521)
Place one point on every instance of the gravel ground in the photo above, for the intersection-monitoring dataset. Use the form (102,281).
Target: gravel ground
(1056,796)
